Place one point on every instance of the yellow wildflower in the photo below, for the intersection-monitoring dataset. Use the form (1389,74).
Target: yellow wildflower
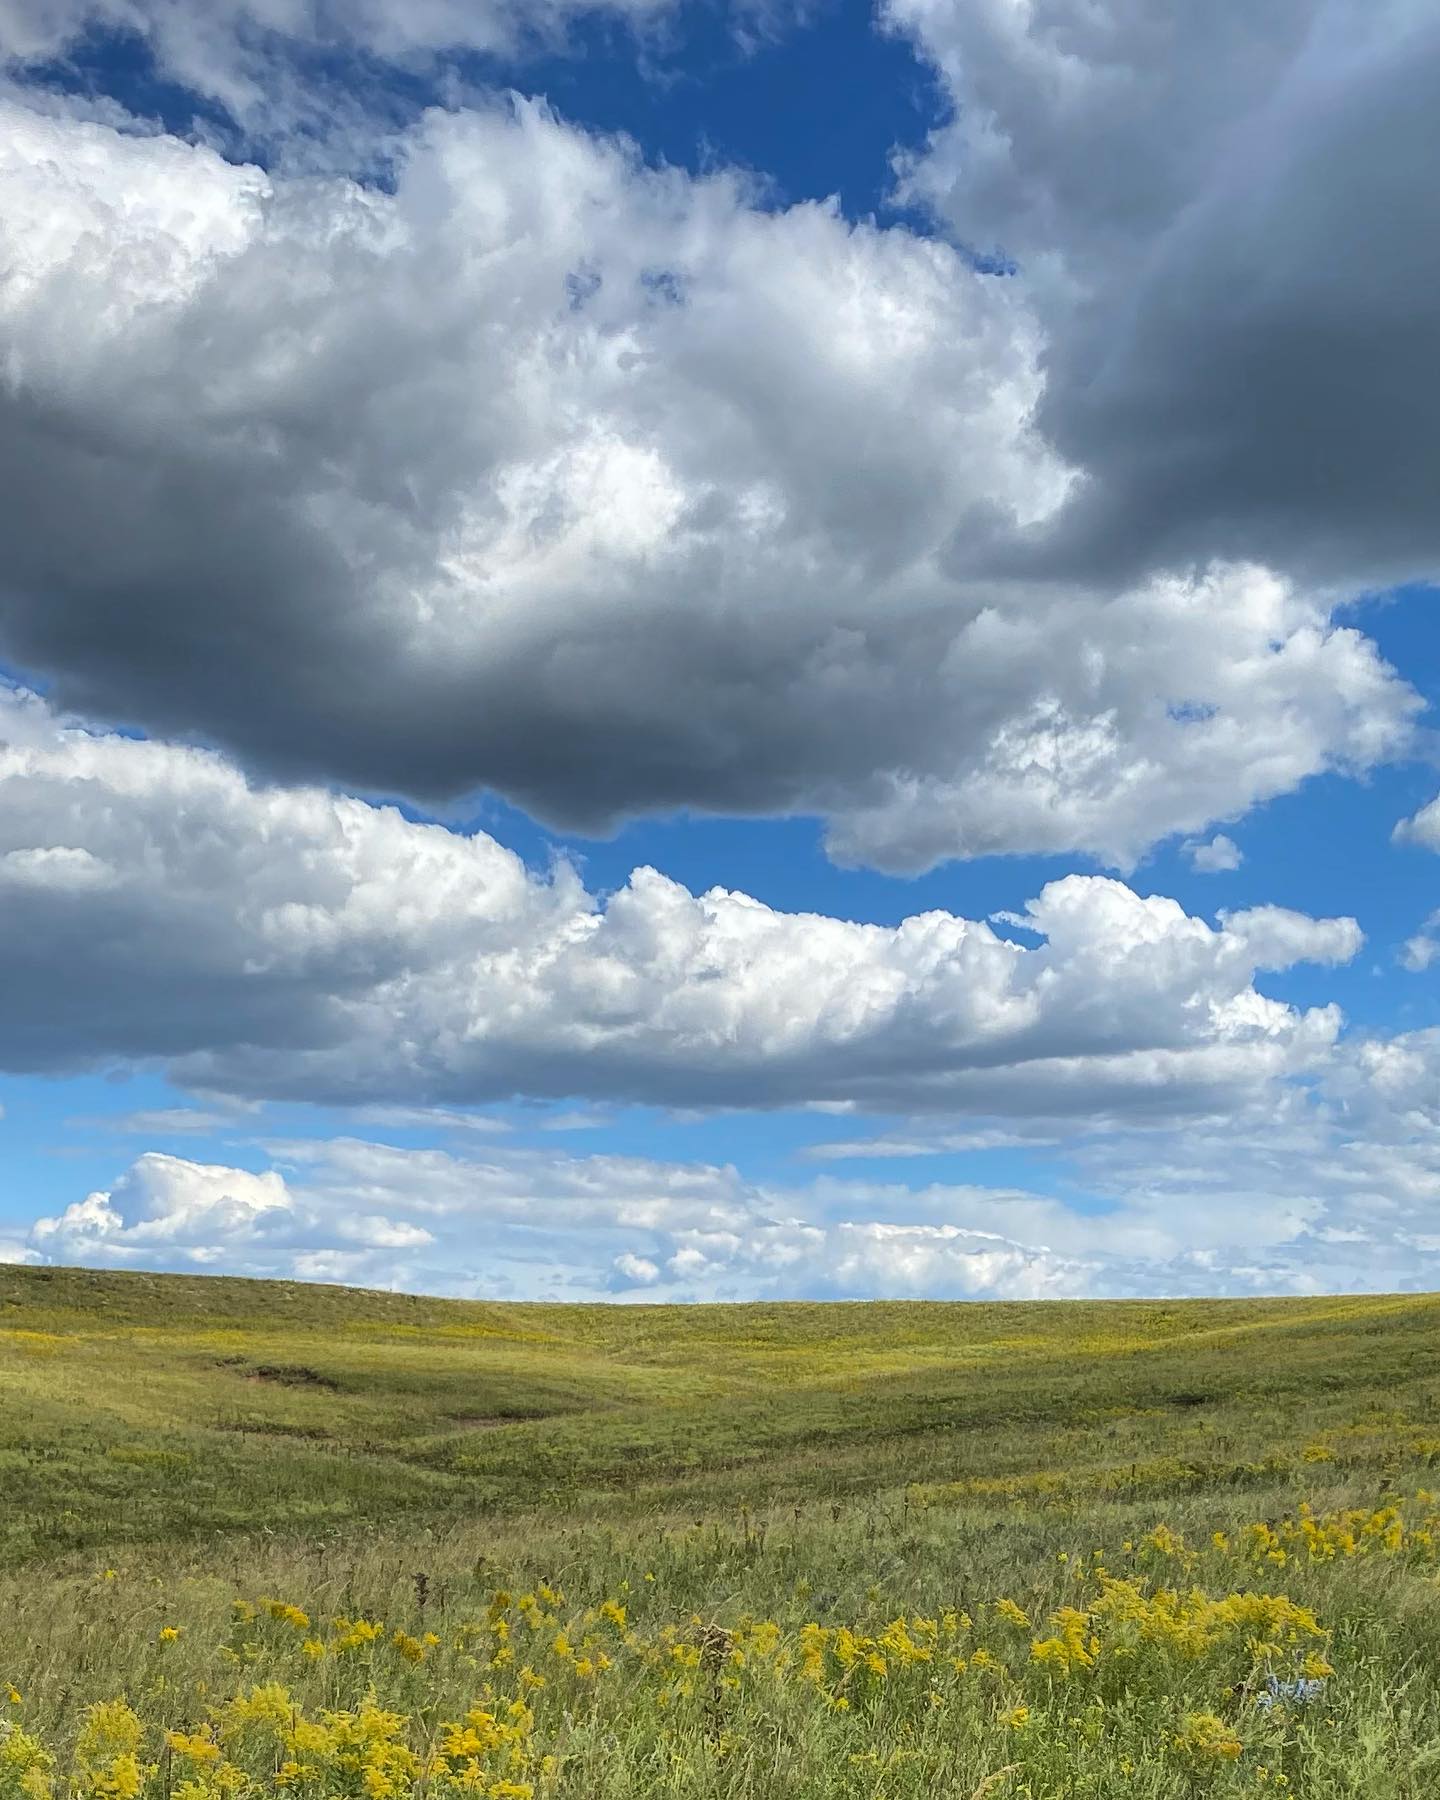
(196,1746)
(25,1765)
(107,1764)
(1206,1738)
(287,1614)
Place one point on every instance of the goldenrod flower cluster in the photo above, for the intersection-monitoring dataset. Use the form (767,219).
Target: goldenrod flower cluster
(265,1741)
(1201,1654)
(1355,1531)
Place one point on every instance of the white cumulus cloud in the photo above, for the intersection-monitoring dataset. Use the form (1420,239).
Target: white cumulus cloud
(1421,950)
(1217,857)
(1423,829)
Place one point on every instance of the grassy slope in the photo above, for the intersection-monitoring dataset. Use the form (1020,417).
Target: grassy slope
(151,1408)
(170,1446)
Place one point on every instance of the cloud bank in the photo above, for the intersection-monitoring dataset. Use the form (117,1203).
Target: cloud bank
(1338,1192)
(289,942)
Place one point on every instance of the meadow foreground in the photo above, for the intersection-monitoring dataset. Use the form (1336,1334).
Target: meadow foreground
(270,1541)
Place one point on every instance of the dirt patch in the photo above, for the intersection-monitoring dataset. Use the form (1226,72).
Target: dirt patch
(289,1375)
(279,1431)
(490,1421)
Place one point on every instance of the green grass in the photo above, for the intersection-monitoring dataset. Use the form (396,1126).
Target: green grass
(150,1408)
(168,1444)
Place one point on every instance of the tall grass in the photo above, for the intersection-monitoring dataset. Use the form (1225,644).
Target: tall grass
(743,1552)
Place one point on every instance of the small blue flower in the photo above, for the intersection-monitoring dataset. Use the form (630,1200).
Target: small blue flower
(1300,1692)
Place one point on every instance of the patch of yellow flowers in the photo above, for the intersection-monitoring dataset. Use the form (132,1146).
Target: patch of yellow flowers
(264,1740)
(351,1707)
(1356,1531)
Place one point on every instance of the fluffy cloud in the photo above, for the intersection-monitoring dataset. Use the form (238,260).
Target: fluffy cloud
(287,941)
(608,489)
(1274,937)
(1422,949)
(360,1211)
(1224,217)
(1423,829)
(166,1202)
(167,1212)
(1217,857)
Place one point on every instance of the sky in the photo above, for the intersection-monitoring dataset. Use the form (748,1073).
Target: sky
(682,650)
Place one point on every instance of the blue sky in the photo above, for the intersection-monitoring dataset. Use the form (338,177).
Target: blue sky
(815,104)
(881,489)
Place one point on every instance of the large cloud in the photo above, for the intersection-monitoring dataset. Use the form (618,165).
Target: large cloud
(1226,218)
(287,941)
(606,488)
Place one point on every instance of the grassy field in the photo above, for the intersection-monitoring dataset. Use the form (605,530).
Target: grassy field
(269,1539)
